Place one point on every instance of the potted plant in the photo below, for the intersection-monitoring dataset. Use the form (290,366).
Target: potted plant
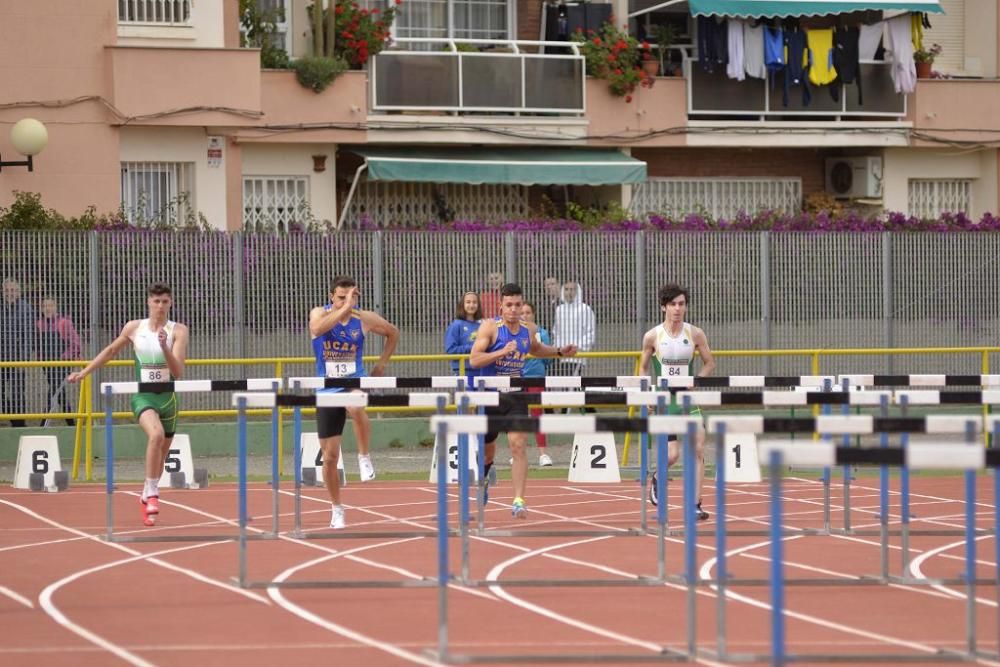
(664,36)
(615,56)
(924,59)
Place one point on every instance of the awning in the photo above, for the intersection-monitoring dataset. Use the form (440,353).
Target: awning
(523,166)
(781,8)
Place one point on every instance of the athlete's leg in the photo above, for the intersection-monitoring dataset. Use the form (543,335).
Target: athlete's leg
(157,444)
(331,458)
(519,469)
(362,429)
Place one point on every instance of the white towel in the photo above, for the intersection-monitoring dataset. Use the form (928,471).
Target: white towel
(753,51)
(899,42)
(868,39)
(735,67)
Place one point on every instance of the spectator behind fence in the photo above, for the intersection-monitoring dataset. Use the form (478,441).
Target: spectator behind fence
(57,339)
(575,324)
(537,367)
(461,333)
(489,300)
(17,336)
(551,301)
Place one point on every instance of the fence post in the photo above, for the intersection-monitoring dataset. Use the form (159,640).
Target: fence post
(765,297)
(640,284)
(239,296)
(887,300)
(95,328)
(510,258)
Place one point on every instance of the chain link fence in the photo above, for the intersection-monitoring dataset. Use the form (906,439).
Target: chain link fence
(246,295)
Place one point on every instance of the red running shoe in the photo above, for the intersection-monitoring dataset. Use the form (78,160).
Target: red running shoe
(150,509)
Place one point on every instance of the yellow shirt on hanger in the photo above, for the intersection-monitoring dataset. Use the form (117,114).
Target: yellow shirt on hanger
(820,43)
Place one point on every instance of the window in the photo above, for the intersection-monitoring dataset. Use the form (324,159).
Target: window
(275,203)
(280,12)
(473,19)
(929,198)
(718,197)
(948,30)
(163,12)
(158,193)
(399,204)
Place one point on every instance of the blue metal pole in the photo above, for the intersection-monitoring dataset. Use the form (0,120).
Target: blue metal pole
(778,656)
(442,538)
(241,467)
(297,464)
(275,419)
(970,558)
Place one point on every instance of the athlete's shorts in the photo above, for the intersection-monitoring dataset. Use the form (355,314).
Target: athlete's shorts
(330,421)
(673,409)
(509,407)
(165,406)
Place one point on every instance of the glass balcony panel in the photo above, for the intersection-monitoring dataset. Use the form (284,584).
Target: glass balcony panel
(414,80)
(553,83)
(491,81)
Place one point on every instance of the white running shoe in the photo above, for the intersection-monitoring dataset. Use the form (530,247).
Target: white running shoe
(337,521)
(366,468)
(544,460)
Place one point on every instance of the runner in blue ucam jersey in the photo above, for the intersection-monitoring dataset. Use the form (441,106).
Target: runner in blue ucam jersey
(673,345)
(501,348)
(338,332)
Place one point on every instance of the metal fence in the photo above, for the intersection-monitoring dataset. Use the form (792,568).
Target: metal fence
(249,295)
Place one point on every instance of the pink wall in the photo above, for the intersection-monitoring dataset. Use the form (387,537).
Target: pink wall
(150,80)
(285,102)
(52,51)
(660,107)
(934,108)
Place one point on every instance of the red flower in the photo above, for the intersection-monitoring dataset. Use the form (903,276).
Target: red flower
(399,2)
(645,46)
(339,9)
(597,41)
(618,71)
(628,98)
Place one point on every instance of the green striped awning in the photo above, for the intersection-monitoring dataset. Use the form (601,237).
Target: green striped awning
(781,8)
(523,166)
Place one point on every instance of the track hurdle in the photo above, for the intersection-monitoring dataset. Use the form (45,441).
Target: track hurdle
(109,389)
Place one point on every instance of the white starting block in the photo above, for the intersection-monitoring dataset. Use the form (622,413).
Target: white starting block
(453,459)
(312,461)
(178,468)
(38,464)
(741,461)
(594,458)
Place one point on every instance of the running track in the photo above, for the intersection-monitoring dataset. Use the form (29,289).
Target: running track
(69,598)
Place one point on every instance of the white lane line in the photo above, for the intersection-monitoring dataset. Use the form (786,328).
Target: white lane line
(45,600)
(916,566)
(17,597)
(276,594)
(133,552)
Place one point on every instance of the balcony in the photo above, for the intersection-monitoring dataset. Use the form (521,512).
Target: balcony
(224,91)
(957,109)
(508,78)
(715,95)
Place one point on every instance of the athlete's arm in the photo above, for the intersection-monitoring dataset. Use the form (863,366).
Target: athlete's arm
(107,354)
(322,320)
(377,324)
(701,347)
(540,349)
(648,349)
(479,357)
(176,355)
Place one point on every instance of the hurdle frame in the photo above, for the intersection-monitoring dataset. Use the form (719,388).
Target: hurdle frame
(109,389)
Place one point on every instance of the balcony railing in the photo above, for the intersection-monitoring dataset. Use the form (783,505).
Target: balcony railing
(505,78)
(715,94)
(154,12)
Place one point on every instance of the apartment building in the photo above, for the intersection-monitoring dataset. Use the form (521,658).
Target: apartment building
(473,113)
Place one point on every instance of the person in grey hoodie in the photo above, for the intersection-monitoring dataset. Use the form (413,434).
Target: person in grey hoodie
(575,324)
(17,337)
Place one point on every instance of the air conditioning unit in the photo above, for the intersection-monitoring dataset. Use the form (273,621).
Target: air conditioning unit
(849,177)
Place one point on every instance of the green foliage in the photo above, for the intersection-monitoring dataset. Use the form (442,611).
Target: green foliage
(260,31)
(595,216)
(316,73)
(427,441)
(396,443)
(28,212)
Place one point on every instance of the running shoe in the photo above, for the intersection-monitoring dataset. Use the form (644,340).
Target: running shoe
(150,510)
(652,490)
(701,514)
(519,510)
(544,460)
(337,521)
(366,468)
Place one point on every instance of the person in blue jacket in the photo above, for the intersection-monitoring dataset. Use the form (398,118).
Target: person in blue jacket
(461,333)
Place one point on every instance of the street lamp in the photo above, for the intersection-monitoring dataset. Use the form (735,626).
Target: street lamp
(29,137)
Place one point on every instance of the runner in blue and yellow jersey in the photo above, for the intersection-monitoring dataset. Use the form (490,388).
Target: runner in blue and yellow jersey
(673,345)
(160,347)
(501,348)
(338,331)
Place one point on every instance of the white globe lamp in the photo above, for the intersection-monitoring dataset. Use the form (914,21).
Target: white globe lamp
(29,137)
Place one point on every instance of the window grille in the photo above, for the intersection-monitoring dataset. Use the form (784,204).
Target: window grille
(165,12)
(717,197)
(158,193)
(275,202)
(929,198)
(392,204)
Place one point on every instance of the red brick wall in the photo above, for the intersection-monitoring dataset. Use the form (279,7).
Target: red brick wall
(529,19)
(805,163)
